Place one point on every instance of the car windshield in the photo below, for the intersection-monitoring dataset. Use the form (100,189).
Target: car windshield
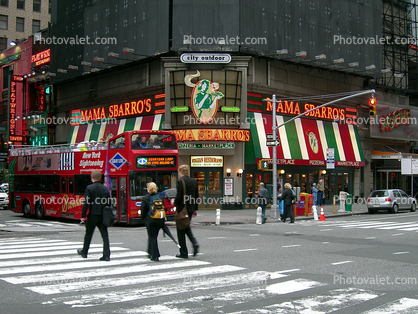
(383,193)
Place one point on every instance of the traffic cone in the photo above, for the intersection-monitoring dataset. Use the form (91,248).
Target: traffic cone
(322,218)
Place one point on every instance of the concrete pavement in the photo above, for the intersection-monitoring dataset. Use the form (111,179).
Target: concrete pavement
(248,216)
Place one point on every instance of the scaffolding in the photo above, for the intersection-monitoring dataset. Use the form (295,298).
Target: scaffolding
(400,51)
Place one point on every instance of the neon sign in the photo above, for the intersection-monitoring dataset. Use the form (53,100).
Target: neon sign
(213,135)
(12,116)
(41,57)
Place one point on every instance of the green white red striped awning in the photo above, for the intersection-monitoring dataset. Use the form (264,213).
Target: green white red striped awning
(305,141)
(107,129)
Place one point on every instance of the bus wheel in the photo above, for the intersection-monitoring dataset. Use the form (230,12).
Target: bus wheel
(39,211)
(26,209)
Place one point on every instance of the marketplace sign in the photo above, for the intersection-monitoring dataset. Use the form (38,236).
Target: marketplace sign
(206,161)
(224,135)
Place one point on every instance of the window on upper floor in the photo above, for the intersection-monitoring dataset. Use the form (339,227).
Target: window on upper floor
(4,21)
(36,26)
(20,24)
(20,4)
(4,3)
(36,5)
(3,43)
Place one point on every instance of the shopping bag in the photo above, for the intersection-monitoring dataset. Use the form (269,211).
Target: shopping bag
(109,216)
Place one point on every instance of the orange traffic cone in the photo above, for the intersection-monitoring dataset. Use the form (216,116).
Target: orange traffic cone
(322,218)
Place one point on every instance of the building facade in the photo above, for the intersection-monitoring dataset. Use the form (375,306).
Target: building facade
(22,18)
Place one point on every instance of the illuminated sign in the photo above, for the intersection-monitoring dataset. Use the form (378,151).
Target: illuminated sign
(41,57)
(123,110)
(204,98)
(205,58)
(395,119)
(207,161)
(155,161)
(17,78)
(206,145)
(16,138)
(224,135)
(294,108)
(12,115)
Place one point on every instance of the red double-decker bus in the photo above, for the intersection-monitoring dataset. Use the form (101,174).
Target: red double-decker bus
(51,180)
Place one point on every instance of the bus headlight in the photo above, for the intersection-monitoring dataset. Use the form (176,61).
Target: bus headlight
(139,212)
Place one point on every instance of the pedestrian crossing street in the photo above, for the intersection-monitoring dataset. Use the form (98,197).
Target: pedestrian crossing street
(373,224)
(131,283)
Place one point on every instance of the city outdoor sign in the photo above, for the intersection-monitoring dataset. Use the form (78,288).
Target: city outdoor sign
(205,58)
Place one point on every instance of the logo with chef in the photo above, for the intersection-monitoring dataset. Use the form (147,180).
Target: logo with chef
(204,98)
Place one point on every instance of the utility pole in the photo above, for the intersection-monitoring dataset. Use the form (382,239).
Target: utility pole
(273,210)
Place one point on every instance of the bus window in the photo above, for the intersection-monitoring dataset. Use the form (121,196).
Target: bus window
(81,182)
(52,183)
(139,179)
(70,185)
(63,187)
(117,143)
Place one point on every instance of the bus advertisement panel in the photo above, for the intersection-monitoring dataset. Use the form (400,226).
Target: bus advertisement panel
(51,181)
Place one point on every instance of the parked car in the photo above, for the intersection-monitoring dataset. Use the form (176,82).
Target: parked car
(4,199)
(5,186)
(391,200)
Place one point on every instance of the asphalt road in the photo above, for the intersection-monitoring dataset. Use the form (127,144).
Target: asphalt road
(353,264)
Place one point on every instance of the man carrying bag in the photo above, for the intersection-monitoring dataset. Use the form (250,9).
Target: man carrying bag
(186,204)
(96,198)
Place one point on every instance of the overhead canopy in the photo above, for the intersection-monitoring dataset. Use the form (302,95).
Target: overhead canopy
(96,131)
(305,141)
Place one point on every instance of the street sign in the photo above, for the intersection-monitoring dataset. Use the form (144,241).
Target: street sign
(330,158)
(273,143)
(269,136)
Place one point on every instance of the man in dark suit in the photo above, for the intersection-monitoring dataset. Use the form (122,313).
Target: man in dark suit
(188,197)
(96,197)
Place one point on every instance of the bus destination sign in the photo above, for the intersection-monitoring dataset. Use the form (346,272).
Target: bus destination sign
(155,161)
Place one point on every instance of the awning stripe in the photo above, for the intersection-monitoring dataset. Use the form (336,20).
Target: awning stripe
(354,142)
(130,124)
(292,137)
(121,127)
(81,133)
(95,132)
(88,132)
(284,143)
(254,135)
(138,122)
(330,136)
(339,141)
(102,130)
(301,139)
(322,137)
(157,122)
(74,135)
(262,139)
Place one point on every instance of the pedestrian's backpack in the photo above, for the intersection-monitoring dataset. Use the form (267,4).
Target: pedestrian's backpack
(157,209)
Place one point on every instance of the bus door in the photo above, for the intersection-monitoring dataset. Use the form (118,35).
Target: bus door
(119,198)
(64,197)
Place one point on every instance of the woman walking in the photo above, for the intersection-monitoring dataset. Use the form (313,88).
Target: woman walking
(288,196)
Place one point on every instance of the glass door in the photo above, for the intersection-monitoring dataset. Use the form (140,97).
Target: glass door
(209,185)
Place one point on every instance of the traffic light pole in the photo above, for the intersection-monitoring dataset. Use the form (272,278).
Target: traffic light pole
(273,210)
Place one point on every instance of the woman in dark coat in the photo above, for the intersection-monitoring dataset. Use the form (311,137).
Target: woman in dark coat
(288,196)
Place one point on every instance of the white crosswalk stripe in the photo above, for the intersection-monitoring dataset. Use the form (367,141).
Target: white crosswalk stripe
(60,276)
(378,225)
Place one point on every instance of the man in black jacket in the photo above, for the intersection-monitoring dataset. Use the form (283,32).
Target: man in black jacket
(288,196)
(188,197)
(96,197)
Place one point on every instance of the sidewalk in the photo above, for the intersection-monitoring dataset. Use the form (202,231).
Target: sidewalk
(248,216)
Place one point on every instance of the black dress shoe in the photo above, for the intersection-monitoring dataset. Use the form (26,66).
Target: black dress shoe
(283,220)
(156,259)
(195,250)
(80,252)
(292,222)
(107,259)
(181,256)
